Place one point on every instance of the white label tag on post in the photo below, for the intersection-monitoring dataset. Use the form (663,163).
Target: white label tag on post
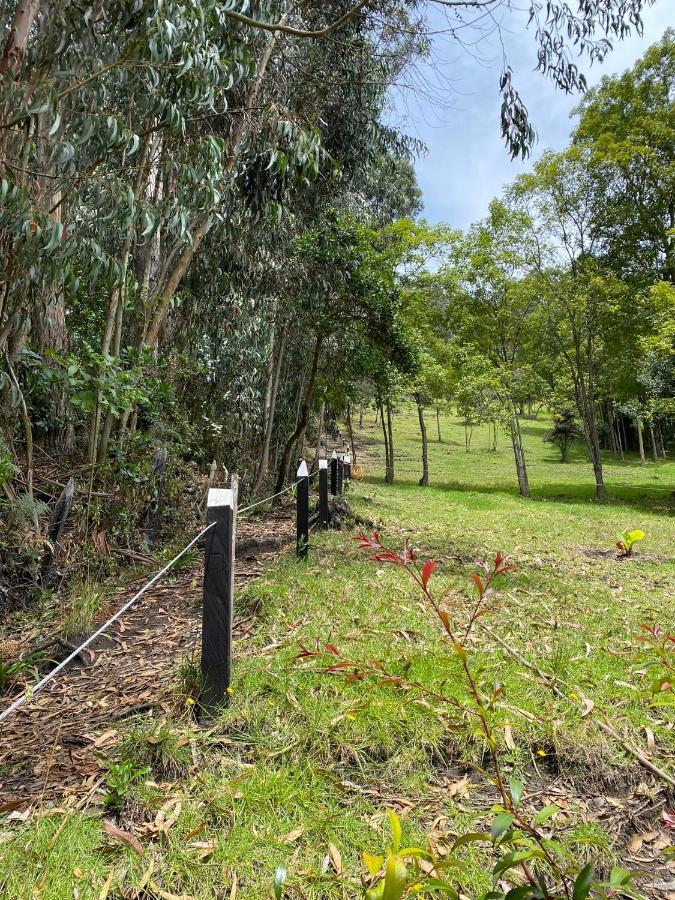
(323,463)
(220,497)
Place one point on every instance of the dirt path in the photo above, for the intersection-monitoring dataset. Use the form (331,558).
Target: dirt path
(51,746)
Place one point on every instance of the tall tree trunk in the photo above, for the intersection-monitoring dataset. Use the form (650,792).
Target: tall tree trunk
(424,480)
(350,431)
(380,411)
(389,476)
(171,282)
(263,466)
(438,424)
(11,59)
(304,415)
(361,416)
(317,453)
(641,443)
(586,406)
(655,452)
(28,431)
(662,444)
(519,456)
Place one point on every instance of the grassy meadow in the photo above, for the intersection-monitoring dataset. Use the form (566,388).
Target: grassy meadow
(302,767)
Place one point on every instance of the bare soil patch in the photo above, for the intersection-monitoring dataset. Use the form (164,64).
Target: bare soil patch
(51,746)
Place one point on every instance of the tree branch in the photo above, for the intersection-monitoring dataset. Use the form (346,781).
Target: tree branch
(298,32)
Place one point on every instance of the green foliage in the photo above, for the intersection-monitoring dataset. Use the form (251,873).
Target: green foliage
(83,604)
(15,671)
(156,747)
(120,779)
(626,539)
(564,432)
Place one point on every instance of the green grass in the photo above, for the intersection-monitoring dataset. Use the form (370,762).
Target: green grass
(304,760)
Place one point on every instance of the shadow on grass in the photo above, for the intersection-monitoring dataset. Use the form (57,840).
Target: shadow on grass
(654,500)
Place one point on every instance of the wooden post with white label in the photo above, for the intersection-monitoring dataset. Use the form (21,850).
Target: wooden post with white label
(302,514)
(340,473)
(324,510)
(334,474)
(217,612)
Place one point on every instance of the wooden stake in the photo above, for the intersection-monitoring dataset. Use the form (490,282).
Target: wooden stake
(302,511)
(324,511)
(55,529)
(340,474)
(217,613)
(158,482)
(334,474)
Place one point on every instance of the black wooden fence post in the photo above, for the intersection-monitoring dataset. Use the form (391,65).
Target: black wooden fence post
(334,474)
(324,511)
(340,474)
(302,513)
(217,613)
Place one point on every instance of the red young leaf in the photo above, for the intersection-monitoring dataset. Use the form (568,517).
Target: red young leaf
(668,817)
(478,581)
(332,649)
(445,619)
(388,557)
(428,570)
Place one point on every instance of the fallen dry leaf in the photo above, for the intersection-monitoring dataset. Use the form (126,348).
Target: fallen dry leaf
(635,843)
(105,890)
(292,835)
(508,738)
(124,837)
(587,706)
(459,788)
(336,858)
(164,820)
(165,895)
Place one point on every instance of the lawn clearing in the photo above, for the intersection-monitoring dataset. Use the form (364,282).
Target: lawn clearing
(302,767)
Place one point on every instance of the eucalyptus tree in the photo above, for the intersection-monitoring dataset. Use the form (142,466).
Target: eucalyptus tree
(131,131)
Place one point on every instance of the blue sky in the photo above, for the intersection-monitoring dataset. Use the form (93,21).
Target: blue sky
(454,109)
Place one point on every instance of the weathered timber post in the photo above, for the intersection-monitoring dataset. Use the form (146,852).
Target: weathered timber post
(55,529)
(217,613)
(340,474)
(157,502)
(334,474)
(324,511)
(302,511)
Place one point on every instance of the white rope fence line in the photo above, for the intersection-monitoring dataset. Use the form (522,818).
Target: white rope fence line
(289,487)
(31,692)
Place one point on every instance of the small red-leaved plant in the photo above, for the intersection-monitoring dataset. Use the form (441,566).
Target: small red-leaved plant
(545,871)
